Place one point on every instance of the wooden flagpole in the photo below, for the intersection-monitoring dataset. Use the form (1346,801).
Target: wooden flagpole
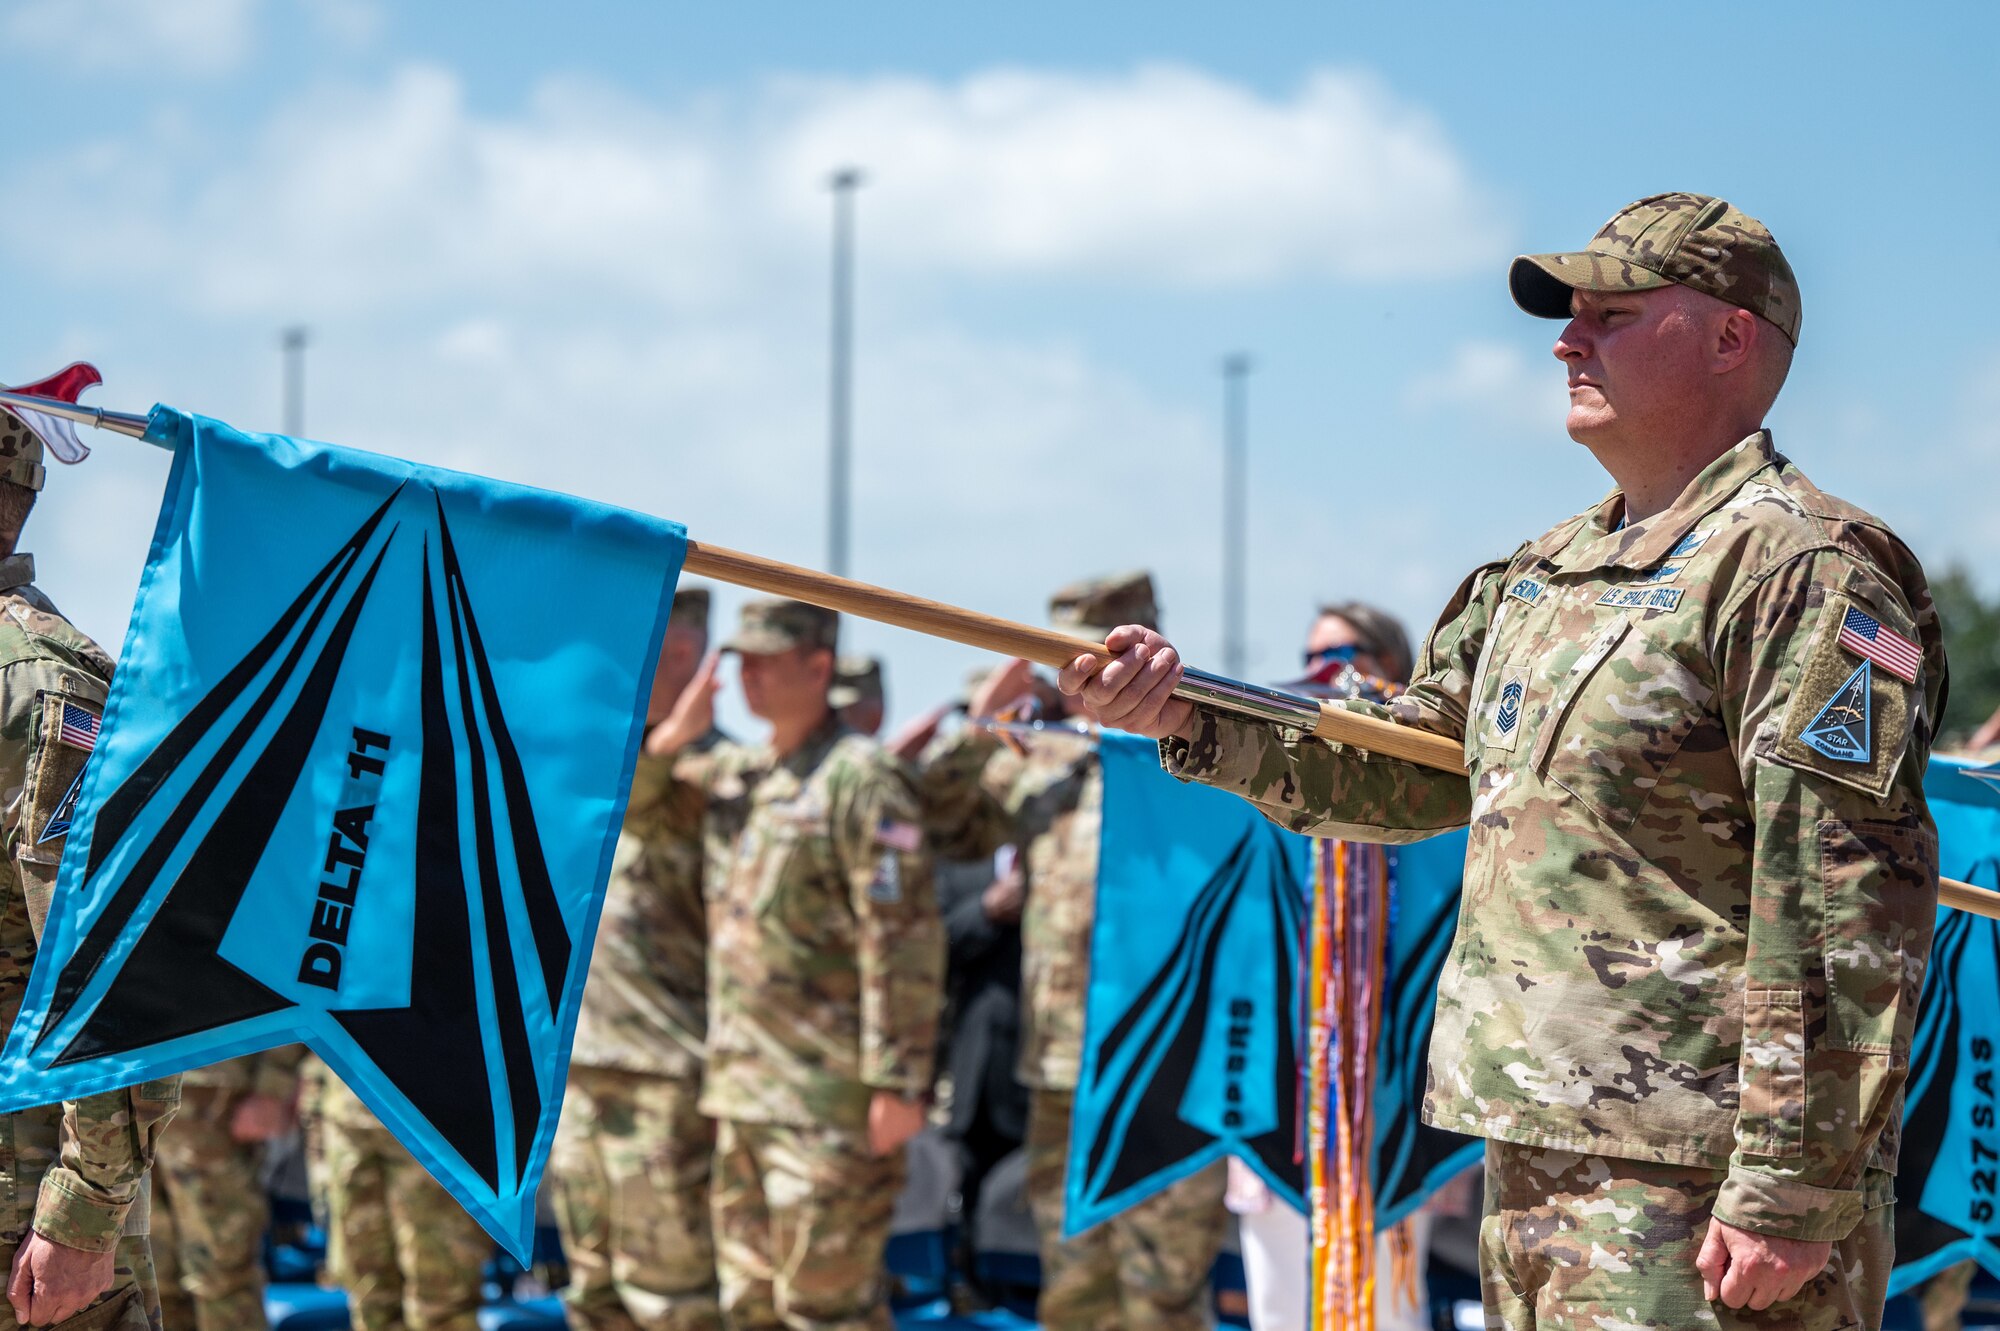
(1053,649)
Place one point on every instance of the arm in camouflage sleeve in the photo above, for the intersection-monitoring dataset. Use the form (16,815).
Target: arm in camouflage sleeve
(106,1142)
(1323,789)
(964,782)
(899,936)
(1842,897)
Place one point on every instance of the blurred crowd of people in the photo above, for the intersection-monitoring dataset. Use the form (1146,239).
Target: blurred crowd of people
(814,946)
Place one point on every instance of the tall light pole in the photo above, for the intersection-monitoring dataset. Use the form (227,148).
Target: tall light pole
(1235,534)
(840,389)
(293,341)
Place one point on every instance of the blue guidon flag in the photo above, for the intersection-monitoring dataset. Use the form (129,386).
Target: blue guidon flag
(358,784)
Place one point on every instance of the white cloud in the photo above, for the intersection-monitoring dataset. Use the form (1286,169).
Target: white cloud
(190,36)
(1494,382)
(1166,173)
(383,197)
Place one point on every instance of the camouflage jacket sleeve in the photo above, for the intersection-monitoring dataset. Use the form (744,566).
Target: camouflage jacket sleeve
(106,1141)
(1335,790)
(899,936)
(965,784)
(1843,891)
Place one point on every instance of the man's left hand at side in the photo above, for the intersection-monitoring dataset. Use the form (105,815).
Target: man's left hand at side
(51,1282)
(1748,1270)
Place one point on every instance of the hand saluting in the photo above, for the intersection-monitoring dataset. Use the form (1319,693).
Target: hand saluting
(1133,690)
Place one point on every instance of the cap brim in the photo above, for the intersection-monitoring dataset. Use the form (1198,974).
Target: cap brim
(1541,283)
(753,643)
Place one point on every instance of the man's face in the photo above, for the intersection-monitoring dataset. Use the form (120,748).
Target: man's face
(1636,360)
(1330,634)
(786,686)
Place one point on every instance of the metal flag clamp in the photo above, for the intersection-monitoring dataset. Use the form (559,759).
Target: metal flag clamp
(118,422)
(1046,647)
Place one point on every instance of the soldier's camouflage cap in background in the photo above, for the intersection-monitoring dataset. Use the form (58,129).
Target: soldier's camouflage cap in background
(855,679)
(690,609)
(20,452)
(1689,240)
(1094,607)
(771,625)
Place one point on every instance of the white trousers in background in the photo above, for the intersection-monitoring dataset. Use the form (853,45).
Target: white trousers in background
(1277,1267)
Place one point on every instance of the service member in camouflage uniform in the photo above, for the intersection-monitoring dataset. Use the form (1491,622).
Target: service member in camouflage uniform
(209,1204)
(406,1252)
(826,977)
(857,694)
(73,1205)
(632,1157)
(1701,877)
(1148,1268)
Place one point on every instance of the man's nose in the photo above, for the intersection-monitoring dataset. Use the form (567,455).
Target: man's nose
(1571,344)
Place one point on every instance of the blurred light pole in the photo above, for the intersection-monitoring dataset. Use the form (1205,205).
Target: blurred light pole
(1235,463)
(293,341)
(840,396)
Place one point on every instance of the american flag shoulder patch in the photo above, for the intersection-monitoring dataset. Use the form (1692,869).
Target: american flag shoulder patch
(906,837)
(1869,639)
(78,728)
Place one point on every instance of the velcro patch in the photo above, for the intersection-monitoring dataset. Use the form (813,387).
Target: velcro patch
(1690,543)
(1525,589)
(906,837)
(887,885)
(1664,573)
(1846,721)
(1505,714)
(1642,598)
(1841,730)
(55,776)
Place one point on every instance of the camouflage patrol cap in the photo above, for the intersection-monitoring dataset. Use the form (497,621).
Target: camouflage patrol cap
(1690,240)
(690,609)
(1091,609)
(772,625)
(855,679)
(20,452)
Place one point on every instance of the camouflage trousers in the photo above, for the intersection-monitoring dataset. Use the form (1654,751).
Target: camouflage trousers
(209,1213)
(405,1251)
(1146,1270)
(631,1165)
(801,1223)
(131,1304)
(1590,1241)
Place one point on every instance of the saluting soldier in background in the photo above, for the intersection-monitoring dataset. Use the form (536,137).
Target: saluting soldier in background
(73,1197)
(826,981)
(1702,874)
(632,1158)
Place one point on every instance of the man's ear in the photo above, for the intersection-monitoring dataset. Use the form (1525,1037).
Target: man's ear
(1735,341)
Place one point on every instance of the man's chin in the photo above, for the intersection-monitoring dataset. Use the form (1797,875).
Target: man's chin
(1587,424)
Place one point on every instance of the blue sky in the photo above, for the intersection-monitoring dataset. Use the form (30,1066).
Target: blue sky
(584,246)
